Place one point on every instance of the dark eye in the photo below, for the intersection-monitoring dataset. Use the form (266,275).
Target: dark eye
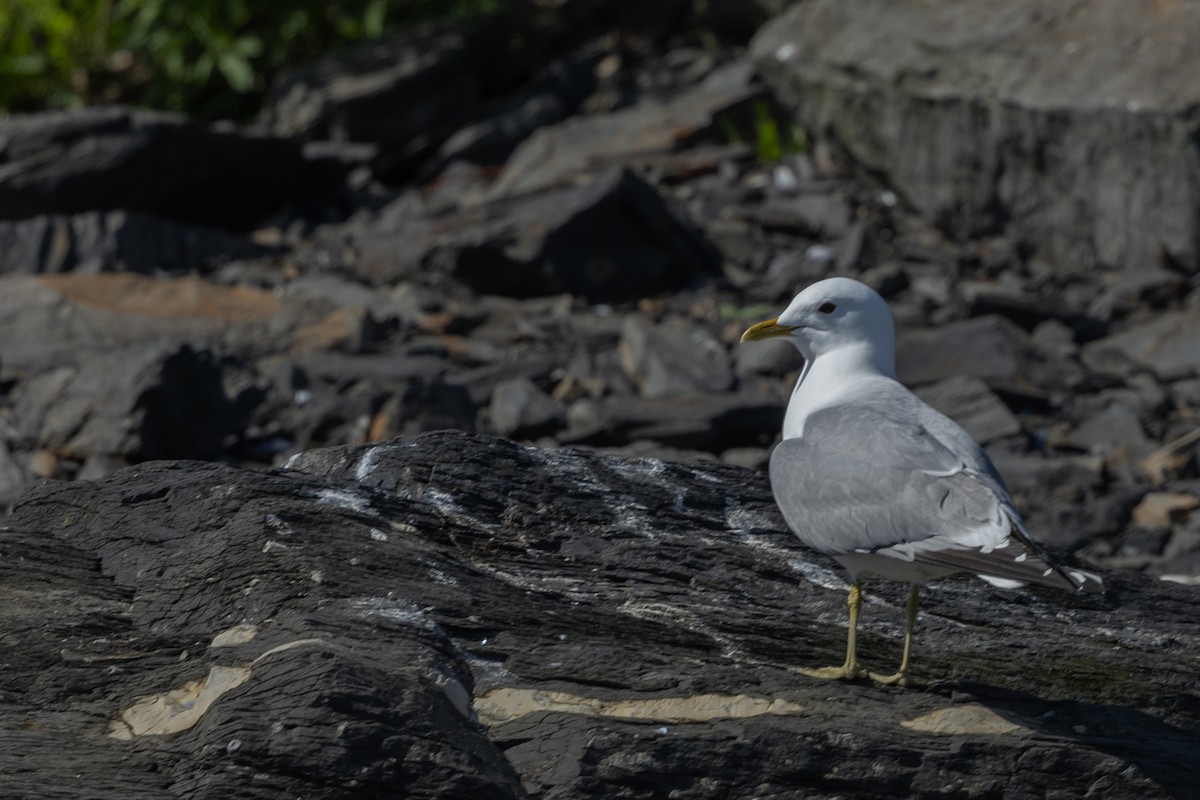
(827,308)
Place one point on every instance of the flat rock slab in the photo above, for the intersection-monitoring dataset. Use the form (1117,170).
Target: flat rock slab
(613,239)
(976,407)
(591,143)
(1167,344)
(52,321)
(466,617)
(115,158)
(115,240)
(990,348)
(1071,126)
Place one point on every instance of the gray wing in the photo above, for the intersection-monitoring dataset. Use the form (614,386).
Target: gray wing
(862,481)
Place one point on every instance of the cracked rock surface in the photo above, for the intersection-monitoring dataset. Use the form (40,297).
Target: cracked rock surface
(463,616)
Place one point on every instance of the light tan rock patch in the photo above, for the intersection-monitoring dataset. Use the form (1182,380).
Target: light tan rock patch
(507,704)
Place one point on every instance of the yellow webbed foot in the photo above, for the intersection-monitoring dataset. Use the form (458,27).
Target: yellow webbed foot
(899,679)
(846,672)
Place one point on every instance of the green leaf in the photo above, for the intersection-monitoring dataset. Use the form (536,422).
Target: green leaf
(237,71)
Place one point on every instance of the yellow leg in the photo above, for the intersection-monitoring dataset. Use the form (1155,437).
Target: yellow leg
(851,669)
(901,677)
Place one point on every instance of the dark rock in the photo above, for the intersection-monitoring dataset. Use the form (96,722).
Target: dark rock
(13,479)
(738,19)
(396,91)
(1089,524)
(323,399)
(52,321)
(468,618)
(1049,490)
(1110,425)
(990,348)
(821,213)
(549,97)
(1129,290)
(481,382)
(116,240)
(610,241)
(706,422)
(97,159)
(1055,337)
(589,144)
(1165,344)
(673,358)
(970,403)
(521,410)
(1024,309)
(1044,140)
(157,401)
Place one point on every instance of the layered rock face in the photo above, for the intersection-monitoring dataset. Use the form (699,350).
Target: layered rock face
(455,615)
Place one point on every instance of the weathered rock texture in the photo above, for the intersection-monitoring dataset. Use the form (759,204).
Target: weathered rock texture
(1063,124)
(457,616)
(559,237)
(119,158)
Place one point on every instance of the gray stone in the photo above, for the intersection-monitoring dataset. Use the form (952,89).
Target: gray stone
(154,401)
(990,348)
(674,357)
(1128,290)
(98,159)
(13,479)
(1016,115)
(612,240)
(1114,431)
(393,90)
(520,410)
(1057,496)
(817,214)
(547,98)
(707,422)
(592,143)
(1055,337)
(1166,344)
(970,403)
(116,240)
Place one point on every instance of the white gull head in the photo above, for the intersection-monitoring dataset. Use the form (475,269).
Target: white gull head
(836,316)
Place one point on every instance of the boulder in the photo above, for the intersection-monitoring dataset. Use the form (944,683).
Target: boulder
(695,421)
(990,348)
(673,358)
(99,159)
(970,403)
(116,241)
(1070,128)
(588,144)
(50,321)
(520,409)
(140,402)
(614,239)
(465,617)
(1165,344)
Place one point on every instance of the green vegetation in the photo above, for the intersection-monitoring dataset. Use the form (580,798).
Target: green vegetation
(774,139)
(212,58)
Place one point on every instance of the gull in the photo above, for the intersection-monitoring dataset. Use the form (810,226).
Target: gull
(872,476)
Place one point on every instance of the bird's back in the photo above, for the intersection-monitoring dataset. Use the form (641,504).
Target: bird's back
(880,478)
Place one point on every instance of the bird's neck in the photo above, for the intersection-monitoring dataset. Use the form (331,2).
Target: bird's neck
(828,376)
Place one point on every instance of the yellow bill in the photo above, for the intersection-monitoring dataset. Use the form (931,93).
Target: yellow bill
(766,330)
